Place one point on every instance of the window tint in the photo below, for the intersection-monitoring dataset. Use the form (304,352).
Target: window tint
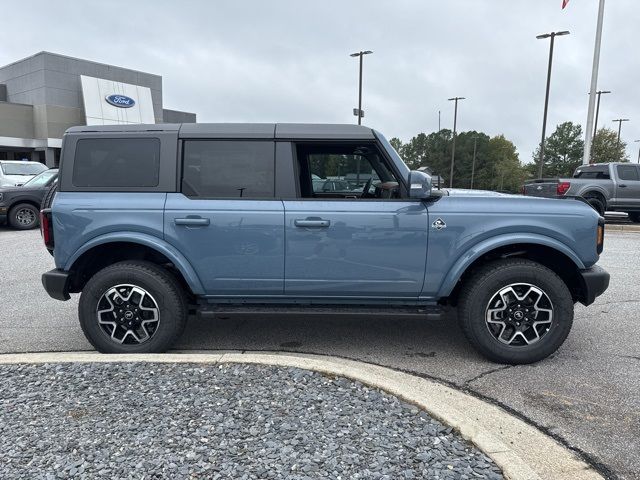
(228,169)
(117,162)
(627,172)
(597,173)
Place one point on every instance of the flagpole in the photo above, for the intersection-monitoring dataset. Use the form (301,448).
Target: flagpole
(594,86)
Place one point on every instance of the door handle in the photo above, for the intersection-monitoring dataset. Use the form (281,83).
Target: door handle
(307,223)
(622,185)
(192,221)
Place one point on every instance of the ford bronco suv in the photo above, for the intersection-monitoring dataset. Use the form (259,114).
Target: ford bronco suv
(154,222)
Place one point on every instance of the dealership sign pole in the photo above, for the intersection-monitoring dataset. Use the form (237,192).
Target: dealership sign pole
(594,86)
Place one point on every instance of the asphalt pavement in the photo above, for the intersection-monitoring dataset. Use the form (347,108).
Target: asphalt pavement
(586,395)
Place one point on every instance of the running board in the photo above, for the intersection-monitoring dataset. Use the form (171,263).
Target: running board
(217,310)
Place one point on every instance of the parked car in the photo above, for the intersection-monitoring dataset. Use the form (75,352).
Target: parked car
(605,186)
(16,173)
(20,206)
(146,222)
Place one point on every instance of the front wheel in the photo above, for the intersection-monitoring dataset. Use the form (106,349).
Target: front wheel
(24,216)
(132,307)
(515,311)
(634,217)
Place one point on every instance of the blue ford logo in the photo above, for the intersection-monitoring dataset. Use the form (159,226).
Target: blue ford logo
(121,101)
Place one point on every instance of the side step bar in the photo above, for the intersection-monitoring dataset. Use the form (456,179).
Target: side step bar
(218,310)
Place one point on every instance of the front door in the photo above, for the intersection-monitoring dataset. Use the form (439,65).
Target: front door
(226,220)
(356,238)
(628,187)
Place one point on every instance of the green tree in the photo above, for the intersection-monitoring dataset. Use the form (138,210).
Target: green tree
(504,170)
(563,151)
(605,147)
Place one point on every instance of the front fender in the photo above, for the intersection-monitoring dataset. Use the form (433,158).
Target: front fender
(487,245)
(150,241)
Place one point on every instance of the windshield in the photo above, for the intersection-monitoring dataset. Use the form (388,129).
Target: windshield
(22,168)
(41,179)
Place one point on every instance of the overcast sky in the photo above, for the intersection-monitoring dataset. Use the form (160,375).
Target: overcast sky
(288,61)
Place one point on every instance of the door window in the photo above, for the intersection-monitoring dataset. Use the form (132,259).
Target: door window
(228,169)
(628,172)
(355,171)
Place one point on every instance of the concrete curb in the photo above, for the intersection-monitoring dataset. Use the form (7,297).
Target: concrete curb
(622,228)
(521,450)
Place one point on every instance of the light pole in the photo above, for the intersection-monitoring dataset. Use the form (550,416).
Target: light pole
(551,35)
(620,120)
(473,162)
(595,123)
(636,141)
(453,146)
(360,113)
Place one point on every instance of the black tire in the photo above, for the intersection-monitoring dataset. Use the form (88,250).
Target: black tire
(482,287)
(596,203)
(49,195)
(163,288)
(634,217)
(24,216)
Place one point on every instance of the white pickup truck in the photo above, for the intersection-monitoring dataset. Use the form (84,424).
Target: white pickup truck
(606,186)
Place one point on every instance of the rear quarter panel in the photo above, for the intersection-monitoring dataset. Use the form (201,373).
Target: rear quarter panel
(476,225)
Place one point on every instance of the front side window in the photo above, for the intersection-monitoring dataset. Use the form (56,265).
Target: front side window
(345,171)
(117,162)
(228,169)
(627,172)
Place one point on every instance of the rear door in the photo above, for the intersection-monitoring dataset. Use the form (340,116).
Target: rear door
(628,186)
(226,220)
(359,239)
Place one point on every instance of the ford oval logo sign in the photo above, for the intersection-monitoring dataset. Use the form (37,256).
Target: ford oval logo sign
(120,101)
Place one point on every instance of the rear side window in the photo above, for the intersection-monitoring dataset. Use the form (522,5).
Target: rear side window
(117,162)
(228,169)
(627,172)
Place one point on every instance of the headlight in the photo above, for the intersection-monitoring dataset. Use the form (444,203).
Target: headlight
(1,196)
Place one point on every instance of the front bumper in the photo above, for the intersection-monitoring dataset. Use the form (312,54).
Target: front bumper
(595,281)
(3,214)
(56,283)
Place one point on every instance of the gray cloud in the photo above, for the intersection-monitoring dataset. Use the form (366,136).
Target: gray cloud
(288,60)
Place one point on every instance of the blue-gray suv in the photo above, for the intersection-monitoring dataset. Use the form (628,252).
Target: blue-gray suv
(152,223)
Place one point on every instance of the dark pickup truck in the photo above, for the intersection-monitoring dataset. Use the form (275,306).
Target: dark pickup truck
(20,206)
(605,186)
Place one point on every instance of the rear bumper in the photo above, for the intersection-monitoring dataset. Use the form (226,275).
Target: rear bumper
(595,281)
(56,283)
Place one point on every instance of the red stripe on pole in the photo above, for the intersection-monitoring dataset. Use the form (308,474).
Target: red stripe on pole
(564,3)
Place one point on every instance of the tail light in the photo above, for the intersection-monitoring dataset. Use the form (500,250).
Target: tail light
(562,188)
(46,228)
(600,236)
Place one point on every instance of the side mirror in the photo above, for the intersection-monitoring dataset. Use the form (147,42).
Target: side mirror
(419,184)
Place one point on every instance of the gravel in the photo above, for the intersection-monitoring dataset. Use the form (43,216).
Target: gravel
(150,421)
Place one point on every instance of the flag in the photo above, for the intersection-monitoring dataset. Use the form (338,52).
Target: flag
(564,3)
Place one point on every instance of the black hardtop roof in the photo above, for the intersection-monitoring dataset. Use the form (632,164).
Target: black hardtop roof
(307,131)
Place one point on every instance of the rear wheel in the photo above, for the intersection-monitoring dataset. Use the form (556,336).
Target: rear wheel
(132,307)
(24,216)
(634,217)
(515,311)
(597,203)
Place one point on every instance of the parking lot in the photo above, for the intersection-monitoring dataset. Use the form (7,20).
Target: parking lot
(586,395)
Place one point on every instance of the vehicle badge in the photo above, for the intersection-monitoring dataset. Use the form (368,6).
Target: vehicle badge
(439,224)
(539,188)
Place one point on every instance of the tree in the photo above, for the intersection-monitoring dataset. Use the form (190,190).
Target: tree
(605,147)
(563,152)
(504,171)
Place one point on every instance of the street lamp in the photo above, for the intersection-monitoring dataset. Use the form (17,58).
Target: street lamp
(359,112)
(551,35)
(636,141)
(595,123)
(620,120)
(453,146)
(473,162)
